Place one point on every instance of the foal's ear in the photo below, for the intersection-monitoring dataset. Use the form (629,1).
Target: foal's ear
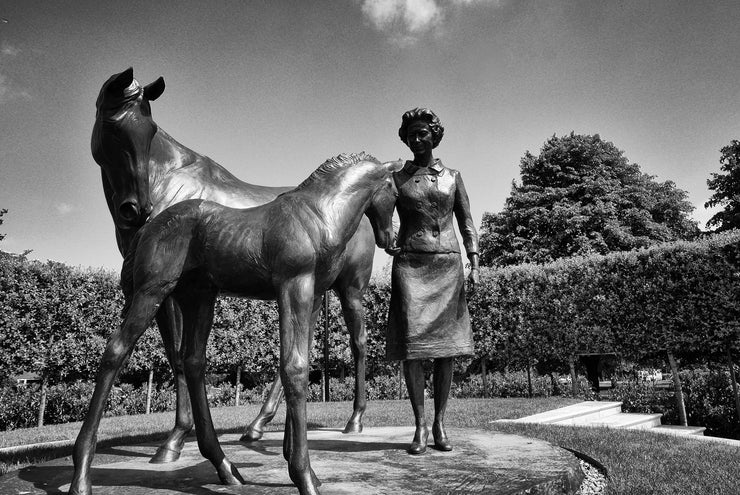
(152,91)
(394,166)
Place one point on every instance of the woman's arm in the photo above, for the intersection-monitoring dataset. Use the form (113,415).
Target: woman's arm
(467,228)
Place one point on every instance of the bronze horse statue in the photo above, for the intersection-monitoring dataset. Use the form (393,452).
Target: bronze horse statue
(144,171)
(289,250)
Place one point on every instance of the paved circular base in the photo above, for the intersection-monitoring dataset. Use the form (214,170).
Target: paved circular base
(374,462)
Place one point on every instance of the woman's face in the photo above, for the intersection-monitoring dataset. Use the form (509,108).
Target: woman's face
(419,138)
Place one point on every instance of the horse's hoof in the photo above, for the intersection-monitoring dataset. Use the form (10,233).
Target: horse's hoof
(251,435)
(165,455)
(353,427)
(228,474)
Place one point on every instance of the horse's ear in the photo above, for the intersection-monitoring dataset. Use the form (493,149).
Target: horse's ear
(154,90)
(122,81)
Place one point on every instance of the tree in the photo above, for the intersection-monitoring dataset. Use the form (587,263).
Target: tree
(582,196)
(726,187)
(3,211)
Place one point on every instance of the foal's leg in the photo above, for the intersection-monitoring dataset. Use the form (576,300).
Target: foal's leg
(255,429)
(120,345)
(351,299)
(295,301)
(197,320)
(169,321)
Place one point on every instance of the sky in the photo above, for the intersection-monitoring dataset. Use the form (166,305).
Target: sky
(270,89)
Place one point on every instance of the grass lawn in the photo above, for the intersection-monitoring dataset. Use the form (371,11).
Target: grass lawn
(637,462)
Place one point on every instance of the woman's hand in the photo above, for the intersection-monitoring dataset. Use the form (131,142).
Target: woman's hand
(473,278)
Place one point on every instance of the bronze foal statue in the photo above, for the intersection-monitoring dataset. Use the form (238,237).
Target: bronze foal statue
(144,171)
(290,249)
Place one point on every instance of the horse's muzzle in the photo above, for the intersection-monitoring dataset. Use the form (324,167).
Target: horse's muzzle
(129,212)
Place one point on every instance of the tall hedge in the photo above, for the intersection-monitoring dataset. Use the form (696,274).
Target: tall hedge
(681,297)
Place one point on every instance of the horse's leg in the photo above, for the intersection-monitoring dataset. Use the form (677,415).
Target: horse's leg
(350,298)
(169,321)
(295,304)
(197,320)
(120,345)
(255,429)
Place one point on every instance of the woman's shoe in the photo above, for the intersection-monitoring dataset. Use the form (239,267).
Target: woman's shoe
(441,442)
(419,444)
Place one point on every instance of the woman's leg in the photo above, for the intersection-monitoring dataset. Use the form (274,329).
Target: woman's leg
(414,374)
(442,384)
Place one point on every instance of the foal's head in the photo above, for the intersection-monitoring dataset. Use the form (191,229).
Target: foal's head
(121,140)
(363,184)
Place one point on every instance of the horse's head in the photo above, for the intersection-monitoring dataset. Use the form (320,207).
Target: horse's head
(121,141)
(380,210)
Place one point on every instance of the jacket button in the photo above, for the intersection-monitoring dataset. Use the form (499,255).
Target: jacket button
(420,233)
(418,204)
(433,179)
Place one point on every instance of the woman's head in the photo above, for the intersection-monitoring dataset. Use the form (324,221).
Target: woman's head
(424,115)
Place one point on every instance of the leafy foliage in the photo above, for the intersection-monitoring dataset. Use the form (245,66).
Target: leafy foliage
(580,196)
(3,211)
(726,187)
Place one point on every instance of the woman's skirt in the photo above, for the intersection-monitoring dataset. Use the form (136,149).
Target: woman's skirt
(428,316)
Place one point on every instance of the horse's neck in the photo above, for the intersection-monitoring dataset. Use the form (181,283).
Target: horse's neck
(167,154)
(166,157)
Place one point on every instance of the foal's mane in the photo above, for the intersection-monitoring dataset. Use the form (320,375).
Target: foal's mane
(334,165)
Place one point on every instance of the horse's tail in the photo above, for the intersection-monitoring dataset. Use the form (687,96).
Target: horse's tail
(127,273)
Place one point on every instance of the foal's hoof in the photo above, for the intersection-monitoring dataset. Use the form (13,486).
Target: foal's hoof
(252,433)
(165,455)
(228,474)
(353,427)
(80,486)
(307,486)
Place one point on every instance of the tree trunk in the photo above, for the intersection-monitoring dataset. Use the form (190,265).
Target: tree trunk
(42,401)
(149,391)
(529,379)
(484,372)
(680,405)
(733,379)
(400,380)
(573,376)
(238,384)
(326,346)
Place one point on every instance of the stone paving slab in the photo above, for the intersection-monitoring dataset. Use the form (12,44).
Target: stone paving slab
(374,462)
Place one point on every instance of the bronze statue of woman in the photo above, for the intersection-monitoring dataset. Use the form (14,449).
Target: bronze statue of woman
(428,317)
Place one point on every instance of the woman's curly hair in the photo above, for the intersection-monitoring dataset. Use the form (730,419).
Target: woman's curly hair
(425,115)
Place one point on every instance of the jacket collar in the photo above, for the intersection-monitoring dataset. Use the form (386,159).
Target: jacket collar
(435,168)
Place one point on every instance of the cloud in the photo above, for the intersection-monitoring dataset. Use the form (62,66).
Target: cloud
(406,20)
(411,16)
(64,209)
(7,50)
(8,90)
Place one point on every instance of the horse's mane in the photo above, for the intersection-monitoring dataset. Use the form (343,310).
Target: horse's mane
(336,164)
